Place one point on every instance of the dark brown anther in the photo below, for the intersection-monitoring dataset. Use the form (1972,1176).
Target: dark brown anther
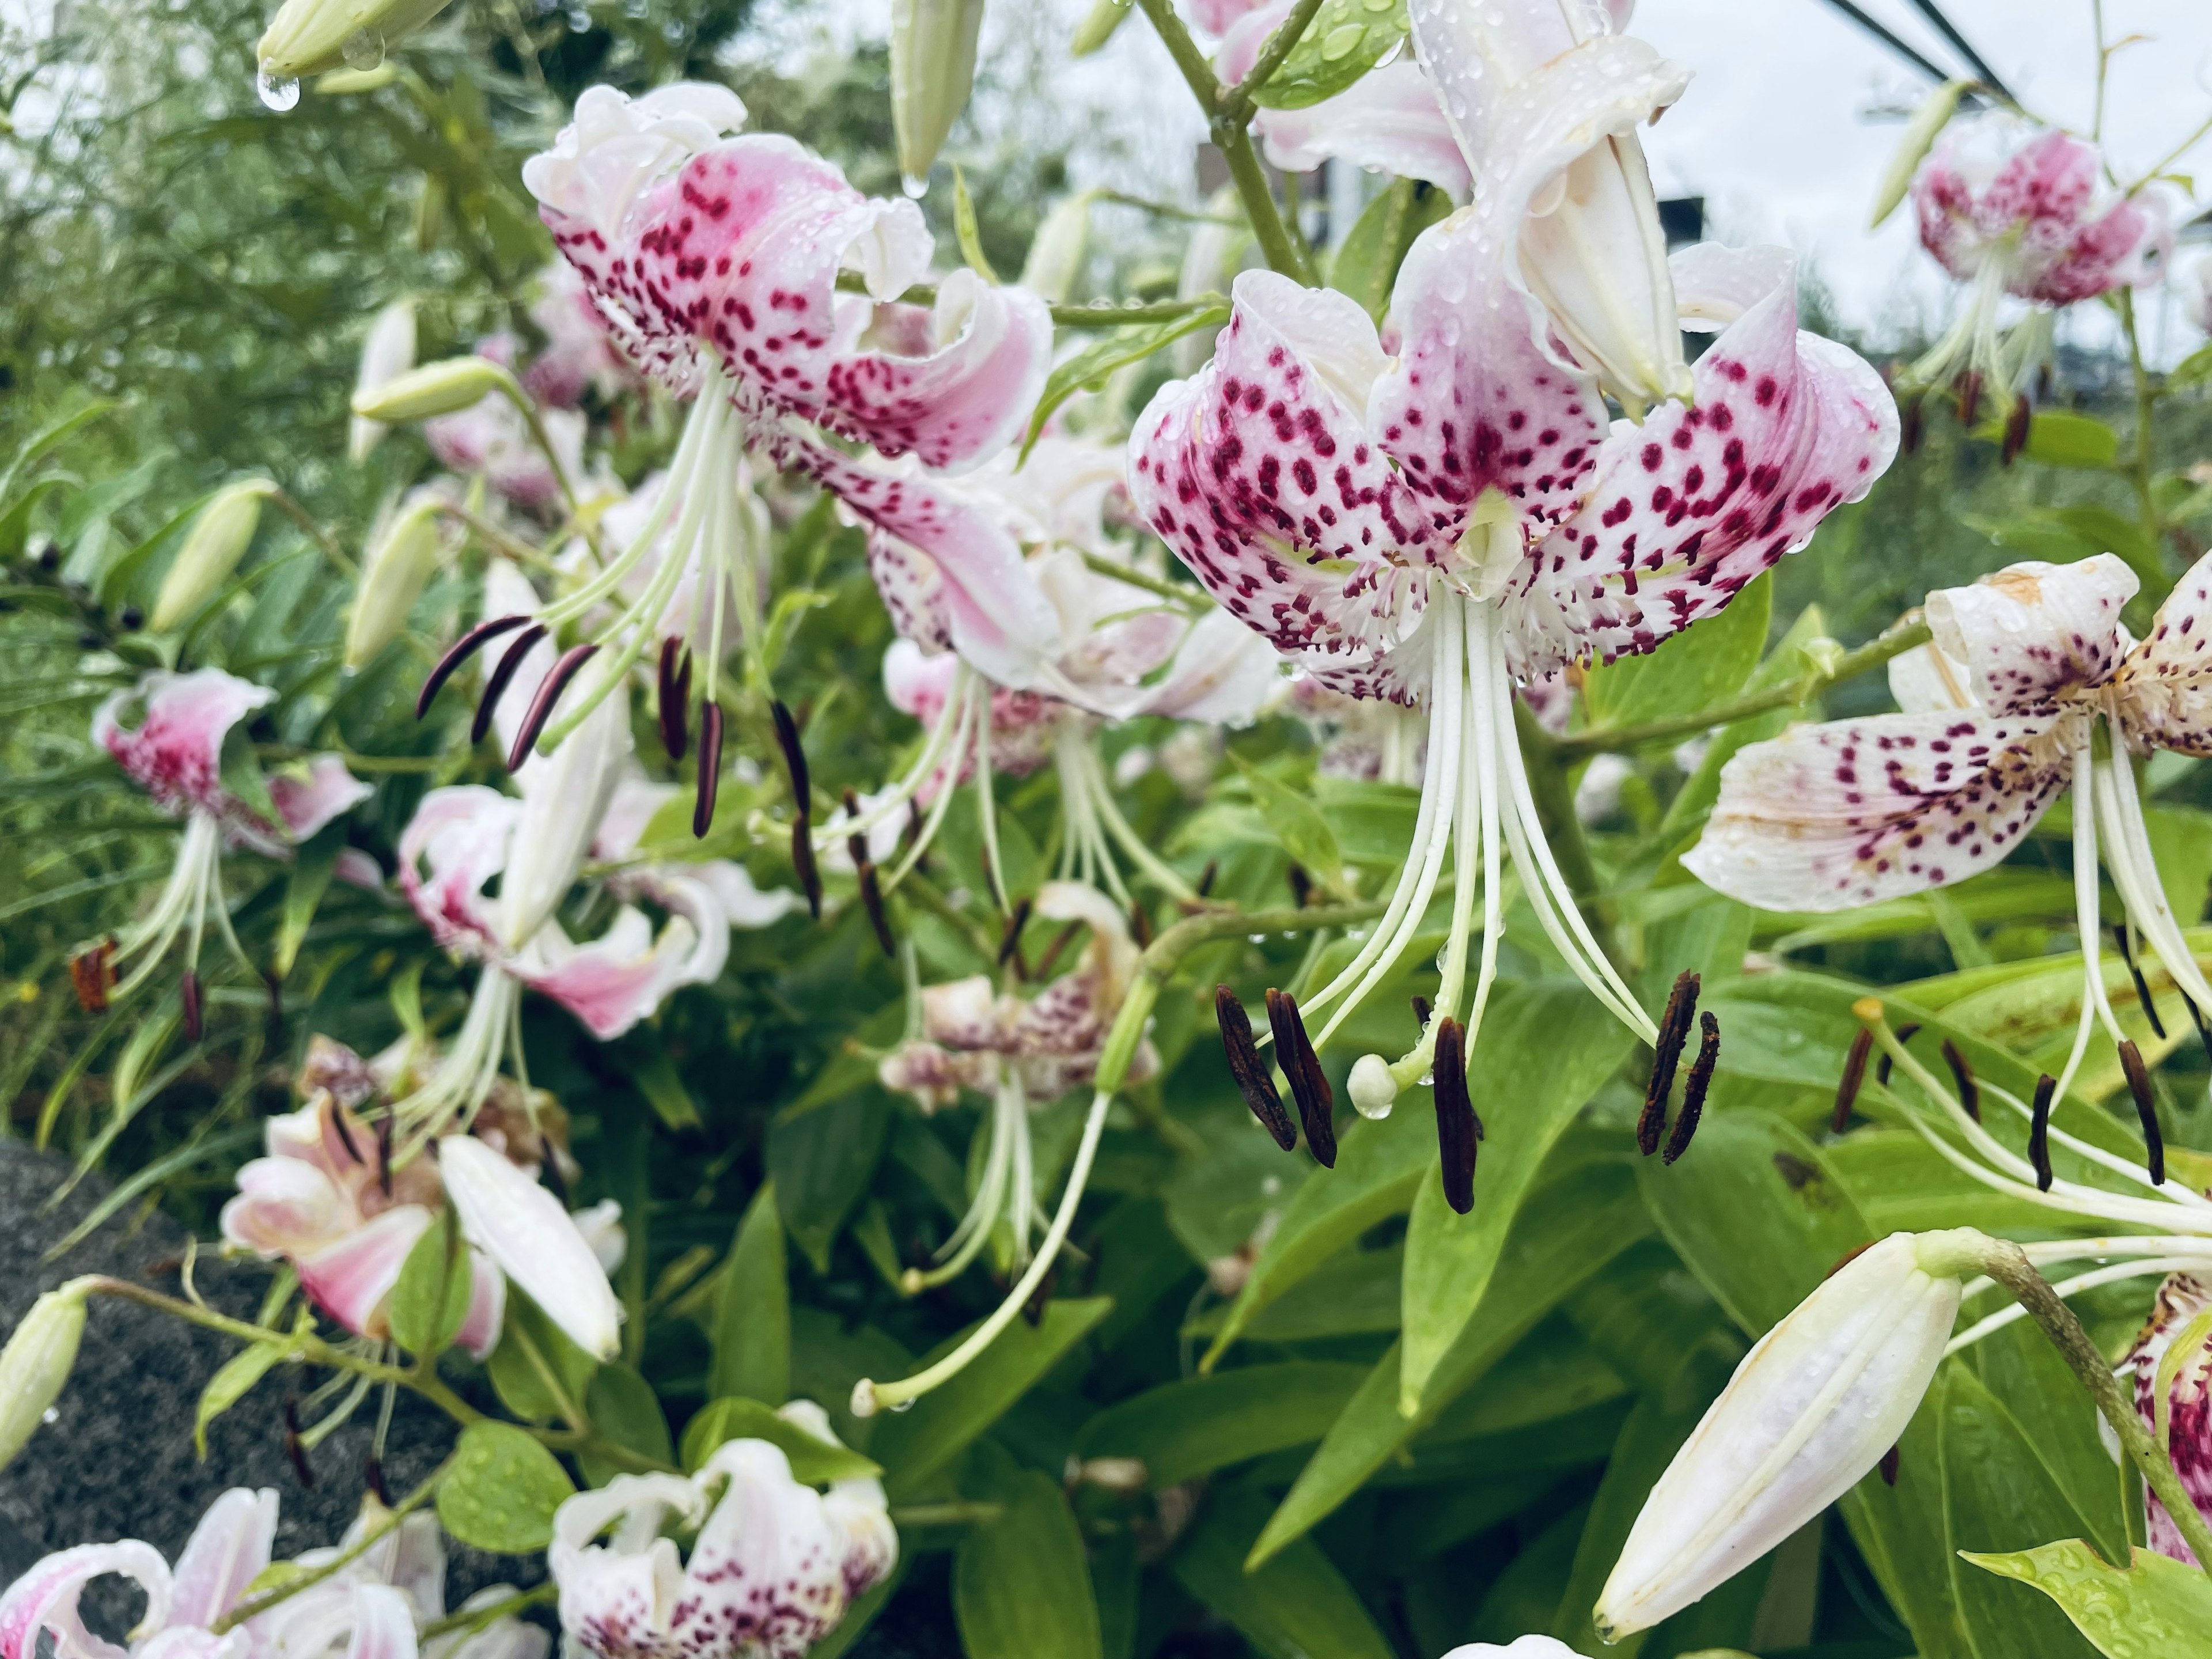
(1969,1092)
(675,698)
(1969,388)
(710,772)
(1300,884)
(372,1476)
(1694,1087)
(501,676)
(2038,1131)
(2017,421)
(1206,877)
(1252,1081)
(912,833)
(458,652)
(2196,1017)
(1905,1034)
(802,863)
(383,1153)
(1889,1466)
(1847,1091)
(2135,973)
(794,758)
(1422,1008)
(1294,1053)
(92,975)
(1456,1128)
(188,994)
(871,894)
(856,844)
(295,1449)
(2042,383)
(1140,924)
(1675,1024)
(1016,920)
(541,706)
(345,1133)
(1060,941)
(1915,424)
(2131,1062)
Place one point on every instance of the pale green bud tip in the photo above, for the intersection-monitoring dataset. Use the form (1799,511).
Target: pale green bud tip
(213,546)
(314,37)
(36,1362)
(865,1403)
(1920,134)
(933,69)
(1954,1253)
(435,389)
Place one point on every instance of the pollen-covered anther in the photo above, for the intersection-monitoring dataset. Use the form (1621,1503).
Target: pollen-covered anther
(2017,421)
(541,706)
(675,696)
(1905,1034)
(871,894)
(1249,1070)
(1011,941)
(1458,1129)
(501,676)
(458,652)
(92,975)
(2131,1062)
(1847,1090)
(710,777)
(856,844)
(1962,1075)
(1302,1070)
(1675,1027)
(1695,1087)
(2038,1131)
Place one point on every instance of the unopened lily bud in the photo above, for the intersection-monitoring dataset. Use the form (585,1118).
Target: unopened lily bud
(1097,29)
(435,389)
(35,1365)
(213,546)
(308,37)
(933,69)
(1809,1412)
(391,577)
(387,353)
(1928,122)
(1055,257)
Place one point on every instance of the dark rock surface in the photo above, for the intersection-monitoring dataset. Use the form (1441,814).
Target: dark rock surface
(117,1460)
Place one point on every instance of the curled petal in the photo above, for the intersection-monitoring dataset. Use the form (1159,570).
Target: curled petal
(2033,631)
(963,1013)
(45,1599)
(227,1550)
(913,590)
(613,982)
(768,1569)
(175,755)
(617,147)
(350,1277)
(453,847)
(308,800)
(1925,680)
(285,1205)
(521,1226)
(617,1598)
(487,1314)
(1828,817)
(2166,683)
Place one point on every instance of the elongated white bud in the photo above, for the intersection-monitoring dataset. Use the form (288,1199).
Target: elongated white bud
(933,69)
(213,546)
(307,37)
(1055,256)
(391,577)
(36,1362)
(1812,1409)
(435,389)
(1921,132)
(387,353)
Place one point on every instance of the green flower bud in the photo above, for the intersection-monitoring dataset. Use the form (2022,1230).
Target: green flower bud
(213,546)
(1055,256)
(1920,134)
(399,562)
(435,389)
(309,37)
(933,69)
(36,1362)
(1096,30)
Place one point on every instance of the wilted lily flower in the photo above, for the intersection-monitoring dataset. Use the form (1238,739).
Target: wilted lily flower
(1811,1410)
(1432,528)
(1024,1053)
(2022,213)
(773,1569)
(2173,1358)
(716,262)
(181,755)
(2030,686)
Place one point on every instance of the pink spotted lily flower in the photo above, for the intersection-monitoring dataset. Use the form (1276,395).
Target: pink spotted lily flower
(2023,214)
(1024,1053)
(774,1565)
(716,263)
(2030,686)
(185,754)
(1436,527)
(2174,1354)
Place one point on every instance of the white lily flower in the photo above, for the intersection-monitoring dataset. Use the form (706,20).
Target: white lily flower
(505,1213)
(1526,1647)
(1811,1410)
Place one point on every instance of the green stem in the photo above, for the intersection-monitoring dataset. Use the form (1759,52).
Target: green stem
(470,1620)
(943,1515)
(323,539)
(1179,593)
(2007,1264)
(514,546)
(1237,101)
(1082,313)
(1899,637)
(254,1606)
(571,1413)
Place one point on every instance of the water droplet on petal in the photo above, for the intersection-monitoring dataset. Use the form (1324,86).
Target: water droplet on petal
(902,1406)
(915,188)
(363,49)
(279,94)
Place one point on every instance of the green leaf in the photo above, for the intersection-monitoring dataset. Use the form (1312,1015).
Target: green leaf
(310,879)
(814,1462)
(1366,265)
(231,1383)
(2058,438)
(751,1331)
(821,1159)
(1091,367)
(1693,670)
(533,1360)
(1183,1430)
(1294,1606)
(430,1301)
(662,1084)
(1297,823)
(964,228)
(1544,1050)
(624,1409)
(1346,38)
(2153,1609)
(915,1444)
(502,1490)
(1021,1587)
(2192,370)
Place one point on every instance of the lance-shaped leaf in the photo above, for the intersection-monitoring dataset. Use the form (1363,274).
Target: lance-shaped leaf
(1346,38)
(1091,367)
(2153,1609)
(1182,1429)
